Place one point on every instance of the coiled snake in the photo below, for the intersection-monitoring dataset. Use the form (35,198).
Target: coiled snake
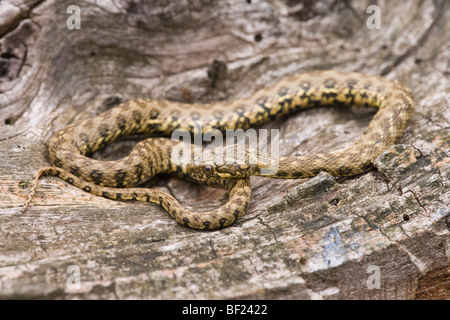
(116,179)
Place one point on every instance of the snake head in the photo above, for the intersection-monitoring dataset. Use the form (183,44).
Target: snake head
(214,171)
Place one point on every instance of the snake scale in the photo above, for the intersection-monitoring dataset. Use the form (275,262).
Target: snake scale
(68,149)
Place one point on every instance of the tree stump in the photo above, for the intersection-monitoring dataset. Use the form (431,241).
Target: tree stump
(380,235)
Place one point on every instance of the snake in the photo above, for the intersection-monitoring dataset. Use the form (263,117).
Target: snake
(69,149)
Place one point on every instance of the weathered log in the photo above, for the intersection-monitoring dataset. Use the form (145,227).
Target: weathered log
(383,234)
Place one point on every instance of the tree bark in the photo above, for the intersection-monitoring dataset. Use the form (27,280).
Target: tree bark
(380,235)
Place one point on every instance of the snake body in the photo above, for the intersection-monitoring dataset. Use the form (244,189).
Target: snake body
(68,149)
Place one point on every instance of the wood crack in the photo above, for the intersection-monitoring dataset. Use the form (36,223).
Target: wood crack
(411,50)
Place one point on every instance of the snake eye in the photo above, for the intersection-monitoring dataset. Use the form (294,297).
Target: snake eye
(208,169)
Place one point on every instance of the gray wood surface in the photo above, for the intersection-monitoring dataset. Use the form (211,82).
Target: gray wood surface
(322,238)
